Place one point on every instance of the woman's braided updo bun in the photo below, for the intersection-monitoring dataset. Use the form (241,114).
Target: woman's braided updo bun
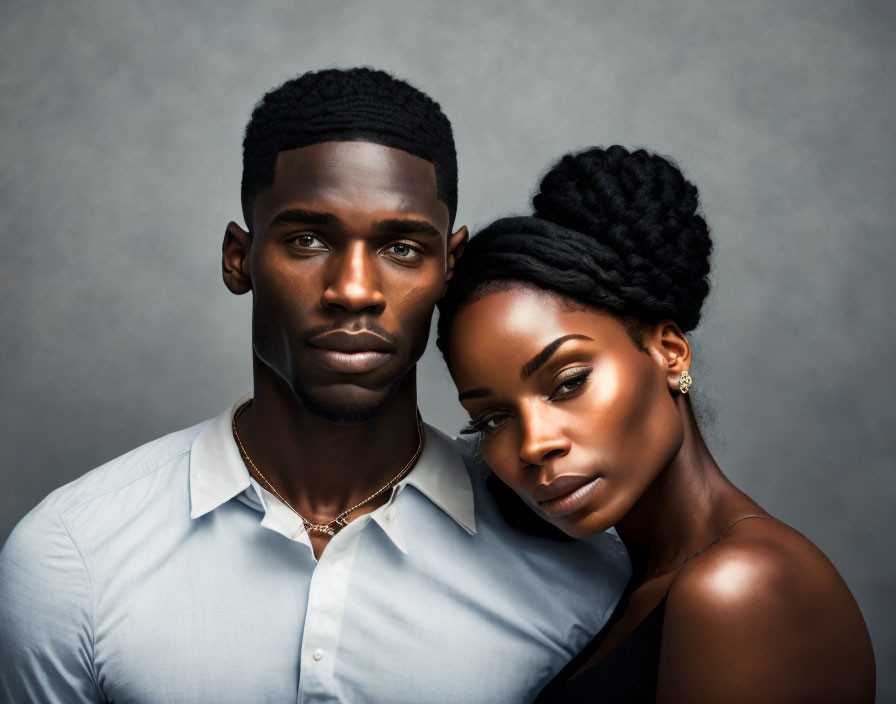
(612,229)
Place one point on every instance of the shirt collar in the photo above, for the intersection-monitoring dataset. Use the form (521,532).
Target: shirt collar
(218,474)
(441,476)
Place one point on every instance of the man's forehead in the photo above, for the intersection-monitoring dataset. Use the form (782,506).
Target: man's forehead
(354,175)
(351,161)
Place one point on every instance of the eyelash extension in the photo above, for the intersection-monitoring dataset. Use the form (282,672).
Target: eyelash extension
(474,426)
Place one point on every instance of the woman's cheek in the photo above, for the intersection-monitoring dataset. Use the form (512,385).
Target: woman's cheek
(498,452)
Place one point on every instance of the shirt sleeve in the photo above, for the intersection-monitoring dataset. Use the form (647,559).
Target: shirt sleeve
(46,625)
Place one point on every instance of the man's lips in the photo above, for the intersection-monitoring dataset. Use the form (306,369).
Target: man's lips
(351,352)
(565,494)
(345,341)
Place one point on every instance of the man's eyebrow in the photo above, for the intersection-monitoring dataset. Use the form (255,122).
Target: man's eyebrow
(406,226)
(297,216)
(475,393)
(530,367)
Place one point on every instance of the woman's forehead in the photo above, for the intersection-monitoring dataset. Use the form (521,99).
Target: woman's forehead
(513,324)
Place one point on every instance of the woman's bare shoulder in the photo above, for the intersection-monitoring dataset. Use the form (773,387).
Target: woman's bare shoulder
(765,609)
(763,562)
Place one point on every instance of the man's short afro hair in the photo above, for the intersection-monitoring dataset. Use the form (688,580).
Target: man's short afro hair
(356,104)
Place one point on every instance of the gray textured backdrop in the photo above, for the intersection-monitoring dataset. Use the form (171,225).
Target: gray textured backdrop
(120,166)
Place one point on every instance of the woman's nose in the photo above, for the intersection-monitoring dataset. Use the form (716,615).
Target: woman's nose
(543,439)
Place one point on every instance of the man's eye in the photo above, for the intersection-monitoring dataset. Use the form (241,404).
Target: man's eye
(402,250)
(309,242)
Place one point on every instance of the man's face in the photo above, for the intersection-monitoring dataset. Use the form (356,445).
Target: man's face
(347,259)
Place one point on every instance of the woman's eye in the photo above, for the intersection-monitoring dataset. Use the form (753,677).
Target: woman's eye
(492,422)
(571,383)
(495,421)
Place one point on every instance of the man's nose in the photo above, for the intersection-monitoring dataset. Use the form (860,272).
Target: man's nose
(542,439)
(353,281)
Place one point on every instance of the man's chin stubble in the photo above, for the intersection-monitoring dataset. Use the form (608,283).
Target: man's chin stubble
(344,414)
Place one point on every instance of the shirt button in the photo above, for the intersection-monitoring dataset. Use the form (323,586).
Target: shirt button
(390,513)
(317,654)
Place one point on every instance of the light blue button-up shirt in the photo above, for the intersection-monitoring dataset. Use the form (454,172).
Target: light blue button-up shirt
(169,575)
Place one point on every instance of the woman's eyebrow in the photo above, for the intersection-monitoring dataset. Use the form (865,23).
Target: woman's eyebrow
(475,393)
(530,367)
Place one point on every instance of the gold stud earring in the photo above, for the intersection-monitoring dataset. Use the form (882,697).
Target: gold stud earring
(685,381)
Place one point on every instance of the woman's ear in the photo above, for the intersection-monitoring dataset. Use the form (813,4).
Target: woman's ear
(235,259)
(670,349)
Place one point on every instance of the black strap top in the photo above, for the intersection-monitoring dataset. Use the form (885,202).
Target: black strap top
(628,673)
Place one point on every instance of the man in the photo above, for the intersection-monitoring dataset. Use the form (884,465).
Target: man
(315,542)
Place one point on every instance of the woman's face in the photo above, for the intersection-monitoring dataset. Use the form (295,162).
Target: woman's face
(575,417)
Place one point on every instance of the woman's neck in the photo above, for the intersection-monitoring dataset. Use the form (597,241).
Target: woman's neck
(686,508)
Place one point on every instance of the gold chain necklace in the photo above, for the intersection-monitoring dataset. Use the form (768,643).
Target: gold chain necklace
(330,527)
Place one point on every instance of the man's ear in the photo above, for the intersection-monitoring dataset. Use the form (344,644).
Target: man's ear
(456,244)
(670,349)
(235,259)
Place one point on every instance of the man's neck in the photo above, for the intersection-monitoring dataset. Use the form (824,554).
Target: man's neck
(323,468)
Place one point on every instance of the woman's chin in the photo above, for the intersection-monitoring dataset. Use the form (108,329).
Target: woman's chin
(592,516)
(581,525)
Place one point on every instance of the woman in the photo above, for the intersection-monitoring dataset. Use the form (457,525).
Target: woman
(565,335)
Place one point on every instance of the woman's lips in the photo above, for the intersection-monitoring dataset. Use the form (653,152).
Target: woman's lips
(565,494)
(350,362)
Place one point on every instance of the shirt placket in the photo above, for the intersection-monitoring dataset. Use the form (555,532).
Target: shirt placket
(323,619)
